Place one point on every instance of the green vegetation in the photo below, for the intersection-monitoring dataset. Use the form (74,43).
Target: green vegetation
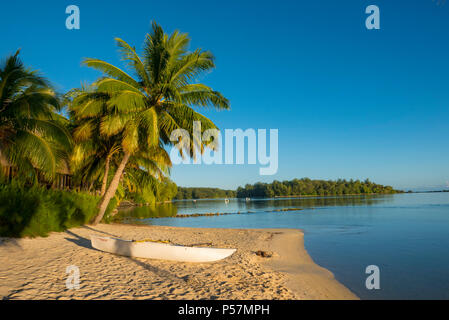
(112,144)
(138,114)
(153,192)
(204,193)
(33,136)
(308,187)
(295,187)
(57,172)
(36,211)
(145,212)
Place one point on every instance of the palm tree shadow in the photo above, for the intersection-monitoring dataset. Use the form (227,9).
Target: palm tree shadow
(85,242)
(100,231)
(6,241)
(78,240)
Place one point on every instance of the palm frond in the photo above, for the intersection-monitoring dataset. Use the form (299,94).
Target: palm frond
(110,70)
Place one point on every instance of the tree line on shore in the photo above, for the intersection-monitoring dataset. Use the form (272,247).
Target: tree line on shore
(203,193)
(308,187)
(295,187)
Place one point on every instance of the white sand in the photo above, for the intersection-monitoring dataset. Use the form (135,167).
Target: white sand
(36,268)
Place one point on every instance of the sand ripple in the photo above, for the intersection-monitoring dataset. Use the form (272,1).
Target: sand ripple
(36,268)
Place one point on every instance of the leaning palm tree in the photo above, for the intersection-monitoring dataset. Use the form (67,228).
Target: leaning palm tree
(92,154)
(91,161)
(32,135)
(146,108)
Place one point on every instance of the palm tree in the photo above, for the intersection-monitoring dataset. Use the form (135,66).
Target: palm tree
(91,160)
(146,172)
(32,134)
(145,110)
(92,151)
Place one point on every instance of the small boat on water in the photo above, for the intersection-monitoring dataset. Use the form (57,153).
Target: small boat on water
(157,250)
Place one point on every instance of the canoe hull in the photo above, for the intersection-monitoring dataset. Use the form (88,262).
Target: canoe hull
(154,250)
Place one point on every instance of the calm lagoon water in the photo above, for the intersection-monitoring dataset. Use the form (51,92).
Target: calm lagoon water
(405,235)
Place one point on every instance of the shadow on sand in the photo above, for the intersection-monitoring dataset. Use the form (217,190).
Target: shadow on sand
(78,240)
(86,243)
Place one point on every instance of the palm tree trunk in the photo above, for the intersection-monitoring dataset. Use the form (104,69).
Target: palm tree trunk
(105,178)
(112,189)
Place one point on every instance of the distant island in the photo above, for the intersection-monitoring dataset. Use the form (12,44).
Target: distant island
(203,193)
(295,187)
(308,187)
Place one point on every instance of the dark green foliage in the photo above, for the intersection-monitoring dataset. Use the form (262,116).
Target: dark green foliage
(166,190)
(111,206)
(203,193)
(32,134)
(153,192)
(145,212)
(36,211)
(308,187)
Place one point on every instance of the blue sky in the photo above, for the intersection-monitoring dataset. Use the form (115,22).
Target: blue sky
(348,102)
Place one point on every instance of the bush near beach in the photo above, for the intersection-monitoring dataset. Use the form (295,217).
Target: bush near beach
(108,137)
(35,211)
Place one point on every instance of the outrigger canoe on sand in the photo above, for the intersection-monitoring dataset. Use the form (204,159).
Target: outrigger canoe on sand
(156,250)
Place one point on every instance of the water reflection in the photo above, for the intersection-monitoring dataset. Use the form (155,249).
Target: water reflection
(406,235)
(208,206)
(135,214)
(313,202)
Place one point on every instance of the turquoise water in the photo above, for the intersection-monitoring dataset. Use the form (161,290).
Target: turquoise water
(405,235)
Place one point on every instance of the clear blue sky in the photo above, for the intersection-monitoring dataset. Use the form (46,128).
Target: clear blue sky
(348,102)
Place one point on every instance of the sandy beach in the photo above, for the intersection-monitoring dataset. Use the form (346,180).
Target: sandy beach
(36,268)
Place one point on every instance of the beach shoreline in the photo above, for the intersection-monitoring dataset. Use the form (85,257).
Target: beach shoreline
(36,268)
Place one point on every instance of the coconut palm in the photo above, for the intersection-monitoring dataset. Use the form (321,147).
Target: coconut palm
(146,172)
(95,154)
(92,154)
(32,134)
(91,161)
(146,108)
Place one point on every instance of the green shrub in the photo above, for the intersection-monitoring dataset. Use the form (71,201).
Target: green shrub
(111,206)
(36,211)
(144,196)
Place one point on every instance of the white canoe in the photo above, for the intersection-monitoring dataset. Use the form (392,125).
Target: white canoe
(155,250)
